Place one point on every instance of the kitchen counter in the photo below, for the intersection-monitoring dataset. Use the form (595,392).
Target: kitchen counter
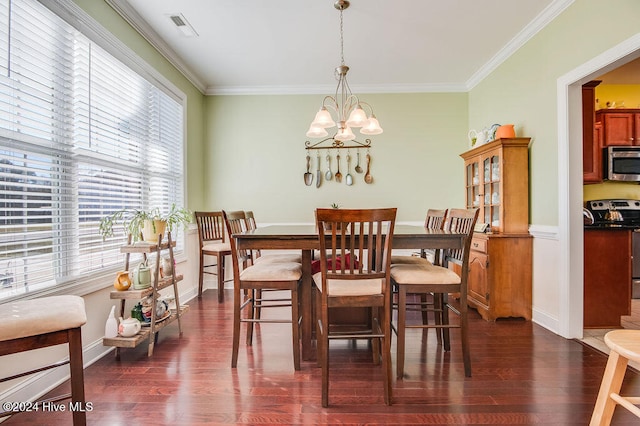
(611,227)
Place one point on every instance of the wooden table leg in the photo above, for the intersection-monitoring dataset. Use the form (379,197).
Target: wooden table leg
(307,309)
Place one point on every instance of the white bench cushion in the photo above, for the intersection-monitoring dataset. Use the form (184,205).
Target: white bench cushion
(33,317)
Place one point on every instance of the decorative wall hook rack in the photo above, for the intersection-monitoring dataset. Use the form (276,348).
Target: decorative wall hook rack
(337,144)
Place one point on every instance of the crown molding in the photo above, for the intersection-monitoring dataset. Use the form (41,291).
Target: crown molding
(542,20)
(136,21)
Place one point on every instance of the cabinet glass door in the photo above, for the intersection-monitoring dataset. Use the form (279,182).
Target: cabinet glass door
(492,212)
(473,185)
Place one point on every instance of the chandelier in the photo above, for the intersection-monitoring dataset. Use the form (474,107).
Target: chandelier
(345,106)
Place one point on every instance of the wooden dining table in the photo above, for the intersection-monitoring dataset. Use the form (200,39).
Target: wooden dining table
(305,238)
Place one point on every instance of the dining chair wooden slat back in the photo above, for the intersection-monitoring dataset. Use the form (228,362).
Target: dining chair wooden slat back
(354,273)
(213,242)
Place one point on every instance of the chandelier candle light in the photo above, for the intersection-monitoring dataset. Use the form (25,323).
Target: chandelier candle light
(345,105)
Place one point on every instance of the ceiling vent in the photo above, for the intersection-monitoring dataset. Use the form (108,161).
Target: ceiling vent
(183,25)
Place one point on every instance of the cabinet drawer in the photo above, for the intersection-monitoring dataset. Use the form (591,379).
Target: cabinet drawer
(479,245)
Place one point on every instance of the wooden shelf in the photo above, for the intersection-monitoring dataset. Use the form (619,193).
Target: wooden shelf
(145,247)
(143,334)
(141,294)
(149,332)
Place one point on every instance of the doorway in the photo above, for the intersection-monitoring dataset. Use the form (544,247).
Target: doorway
(569,101)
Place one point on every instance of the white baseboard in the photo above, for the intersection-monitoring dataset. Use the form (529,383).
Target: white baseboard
(545,320)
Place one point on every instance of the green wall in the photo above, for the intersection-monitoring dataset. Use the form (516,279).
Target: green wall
(255,152)
(523,89)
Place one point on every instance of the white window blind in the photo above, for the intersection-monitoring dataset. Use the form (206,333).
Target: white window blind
(81,136)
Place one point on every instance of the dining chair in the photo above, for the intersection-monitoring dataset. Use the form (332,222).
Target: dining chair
(213,242)
(624,346)
(258,256)
(284,276)
(355,255)
(435,219)
(425,278)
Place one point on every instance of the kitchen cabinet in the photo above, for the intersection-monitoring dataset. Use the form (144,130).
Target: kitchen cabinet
(607,276)
(497,183)
(620,127)
(159,282)
(591,136)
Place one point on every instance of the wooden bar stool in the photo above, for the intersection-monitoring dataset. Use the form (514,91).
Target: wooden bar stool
(625,346)
(47,321)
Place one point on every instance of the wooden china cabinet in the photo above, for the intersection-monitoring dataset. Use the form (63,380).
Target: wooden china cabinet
(500,264)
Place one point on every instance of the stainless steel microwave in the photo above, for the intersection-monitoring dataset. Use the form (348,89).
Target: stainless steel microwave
(622,163)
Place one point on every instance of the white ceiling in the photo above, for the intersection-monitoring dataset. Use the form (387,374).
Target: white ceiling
(276,46)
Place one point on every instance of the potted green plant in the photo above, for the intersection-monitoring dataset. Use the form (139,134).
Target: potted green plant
(161,222)
(328,226)
(150,223)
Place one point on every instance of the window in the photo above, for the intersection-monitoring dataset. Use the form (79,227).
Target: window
(81,135)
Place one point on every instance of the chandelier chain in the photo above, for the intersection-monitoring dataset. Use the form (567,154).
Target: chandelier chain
(341,40)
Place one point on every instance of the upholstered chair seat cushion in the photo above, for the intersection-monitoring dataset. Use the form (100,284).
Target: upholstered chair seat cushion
(276,271)
(423,273)
(216,247)
(33,317)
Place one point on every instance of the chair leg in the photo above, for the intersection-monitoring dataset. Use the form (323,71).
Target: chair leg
(317,315)
(464,337)
(259,299)
(438,310)
(236,326)
(423,308)
(295,328)
(376,347)
(77,377)
(220,272)
(251,311)
(611,383)
(201,278)
(400,331)
(323,352)
(445,321)
(386,354)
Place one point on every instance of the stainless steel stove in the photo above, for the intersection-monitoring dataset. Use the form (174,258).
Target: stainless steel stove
(628,213)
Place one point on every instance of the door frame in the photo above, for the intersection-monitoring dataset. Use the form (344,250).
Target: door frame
(570,199)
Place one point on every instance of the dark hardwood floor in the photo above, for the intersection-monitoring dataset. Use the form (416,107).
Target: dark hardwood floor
(522,374)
